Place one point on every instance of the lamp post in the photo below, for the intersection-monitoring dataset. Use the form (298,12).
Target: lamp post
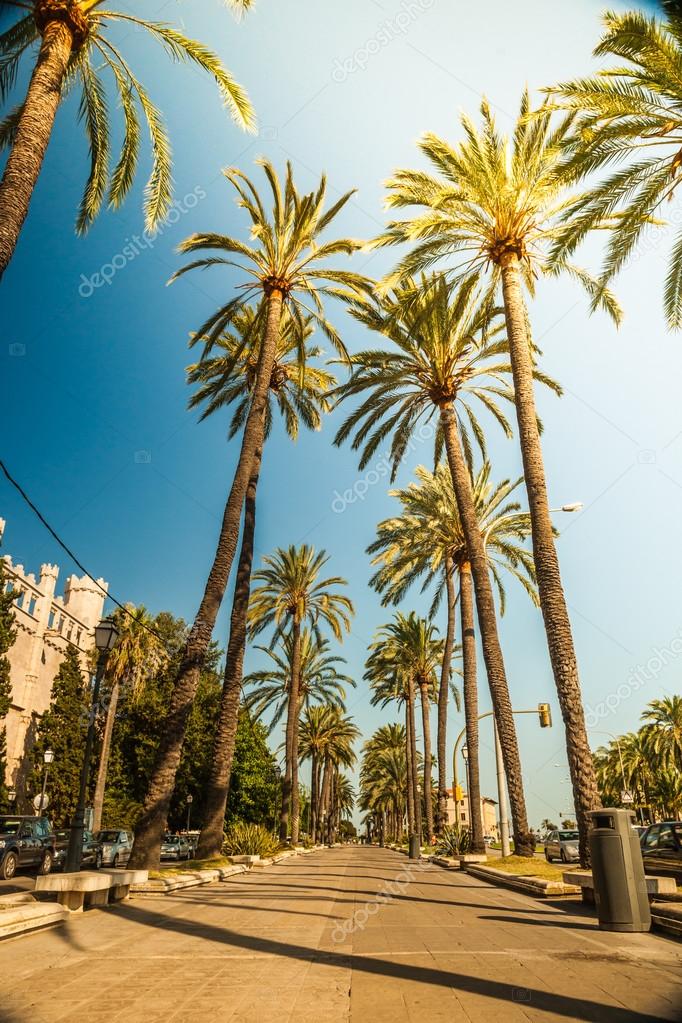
(465,758)
(277,770)
(106,635)
(576,506)
(48,758)
(12,795)
(190,800)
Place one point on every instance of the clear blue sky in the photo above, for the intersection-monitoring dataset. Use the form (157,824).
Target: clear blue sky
(94,396)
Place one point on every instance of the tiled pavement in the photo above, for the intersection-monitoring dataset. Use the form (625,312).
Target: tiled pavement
(343,934)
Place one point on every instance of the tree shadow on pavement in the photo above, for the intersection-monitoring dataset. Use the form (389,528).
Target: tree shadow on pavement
(575,1008)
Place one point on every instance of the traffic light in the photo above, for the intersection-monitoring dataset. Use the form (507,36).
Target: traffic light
(545,715)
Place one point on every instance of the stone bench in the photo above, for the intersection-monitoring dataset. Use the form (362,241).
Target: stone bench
(93,886)
(655,886)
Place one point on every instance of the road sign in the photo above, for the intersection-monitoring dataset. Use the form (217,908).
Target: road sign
(626,797)
(45,800)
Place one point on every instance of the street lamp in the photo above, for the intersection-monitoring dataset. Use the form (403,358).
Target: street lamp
(48,758)
(12,795)
(106,635)
(576,506)
(190,800)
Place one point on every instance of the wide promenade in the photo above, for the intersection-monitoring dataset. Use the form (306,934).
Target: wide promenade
(345,934)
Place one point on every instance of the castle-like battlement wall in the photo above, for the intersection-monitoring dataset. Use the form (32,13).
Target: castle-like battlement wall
(46,625)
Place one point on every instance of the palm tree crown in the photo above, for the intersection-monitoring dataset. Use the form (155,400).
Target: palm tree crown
(629,114)
(321,681)
(285,257)
(490,198)
(290,591)
(227,376)
(92,53)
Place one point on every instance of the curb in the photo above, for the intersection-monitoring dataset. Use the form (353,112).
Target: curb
(666,918)
(26,915)
(526,883)
(190,879)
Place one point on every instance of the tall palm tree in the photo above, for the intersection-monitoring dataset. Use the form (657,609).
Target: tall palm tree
(383,779)
(493,208)
(427,541)
(69,45)
(404,658)
(628,114)
(290,594)
(281,265)
(299,391)
(446,350)
(327,738)
(138,655)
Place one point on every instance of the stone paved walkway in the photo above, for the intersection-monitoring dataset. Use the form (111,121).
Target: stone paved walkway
(340,935)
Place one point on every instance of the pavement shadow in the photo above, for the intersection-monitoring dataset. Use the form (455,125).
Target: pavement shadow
(569,1006)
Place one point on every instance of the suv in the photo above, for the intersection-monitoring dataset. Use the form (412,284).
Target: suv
(25,842)
(116,846)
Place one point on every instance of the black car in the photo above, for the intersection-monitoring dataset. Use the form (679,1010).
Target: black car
(25,842)
(662,849)
(92,849)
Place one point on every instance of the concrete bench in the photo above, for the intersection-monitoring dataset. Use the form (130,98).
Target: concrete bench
(93,886)
(655,886)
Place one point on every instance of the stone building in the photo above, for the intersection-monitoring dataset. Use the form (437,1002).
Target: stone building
(460,811)
(46,625)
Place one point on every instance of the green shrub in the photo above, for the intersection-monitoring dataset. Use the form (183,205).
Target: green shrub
(249,840)
(455,841)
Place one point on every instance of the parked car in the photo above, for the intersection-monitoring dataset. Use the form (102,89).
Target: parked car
(116,845)
(489,839)
(176,847)
(662,849)
(562,845)
(92,849)
(25,842)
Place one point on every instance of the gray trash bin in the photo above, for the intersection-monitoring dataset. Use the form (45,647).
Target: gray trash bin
(415,851)
(618,872)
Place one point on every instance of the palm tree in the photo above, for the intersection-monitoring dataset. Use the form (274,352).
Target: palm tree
(138,655)
(404,657)
(664,728)
(299,390)
(446,351)
(383,779)
(69,45)
(327,739)
(494,207)
(630,114)
(290,594)
(281,265)
(427,540)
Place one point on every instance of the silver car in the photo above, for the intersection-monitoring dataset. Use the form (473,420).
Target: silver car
(175,847)
(116,847)
(562,845)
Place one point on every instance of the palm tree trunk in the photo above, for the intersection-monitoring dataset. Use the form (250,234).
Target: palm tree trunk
(313,795)
(550,589)
(324,798)
(150,828)
(470,687)
(414,763)
(295,794)
(408,766)
(33,135)
(426,730)
(487,619)
(443,697)
(291,773)
(101,784)
(217,791)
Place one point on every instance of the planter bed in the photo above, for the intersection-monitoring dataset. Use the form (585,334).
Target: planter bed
(666,917)
(539,887)
(167,882)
